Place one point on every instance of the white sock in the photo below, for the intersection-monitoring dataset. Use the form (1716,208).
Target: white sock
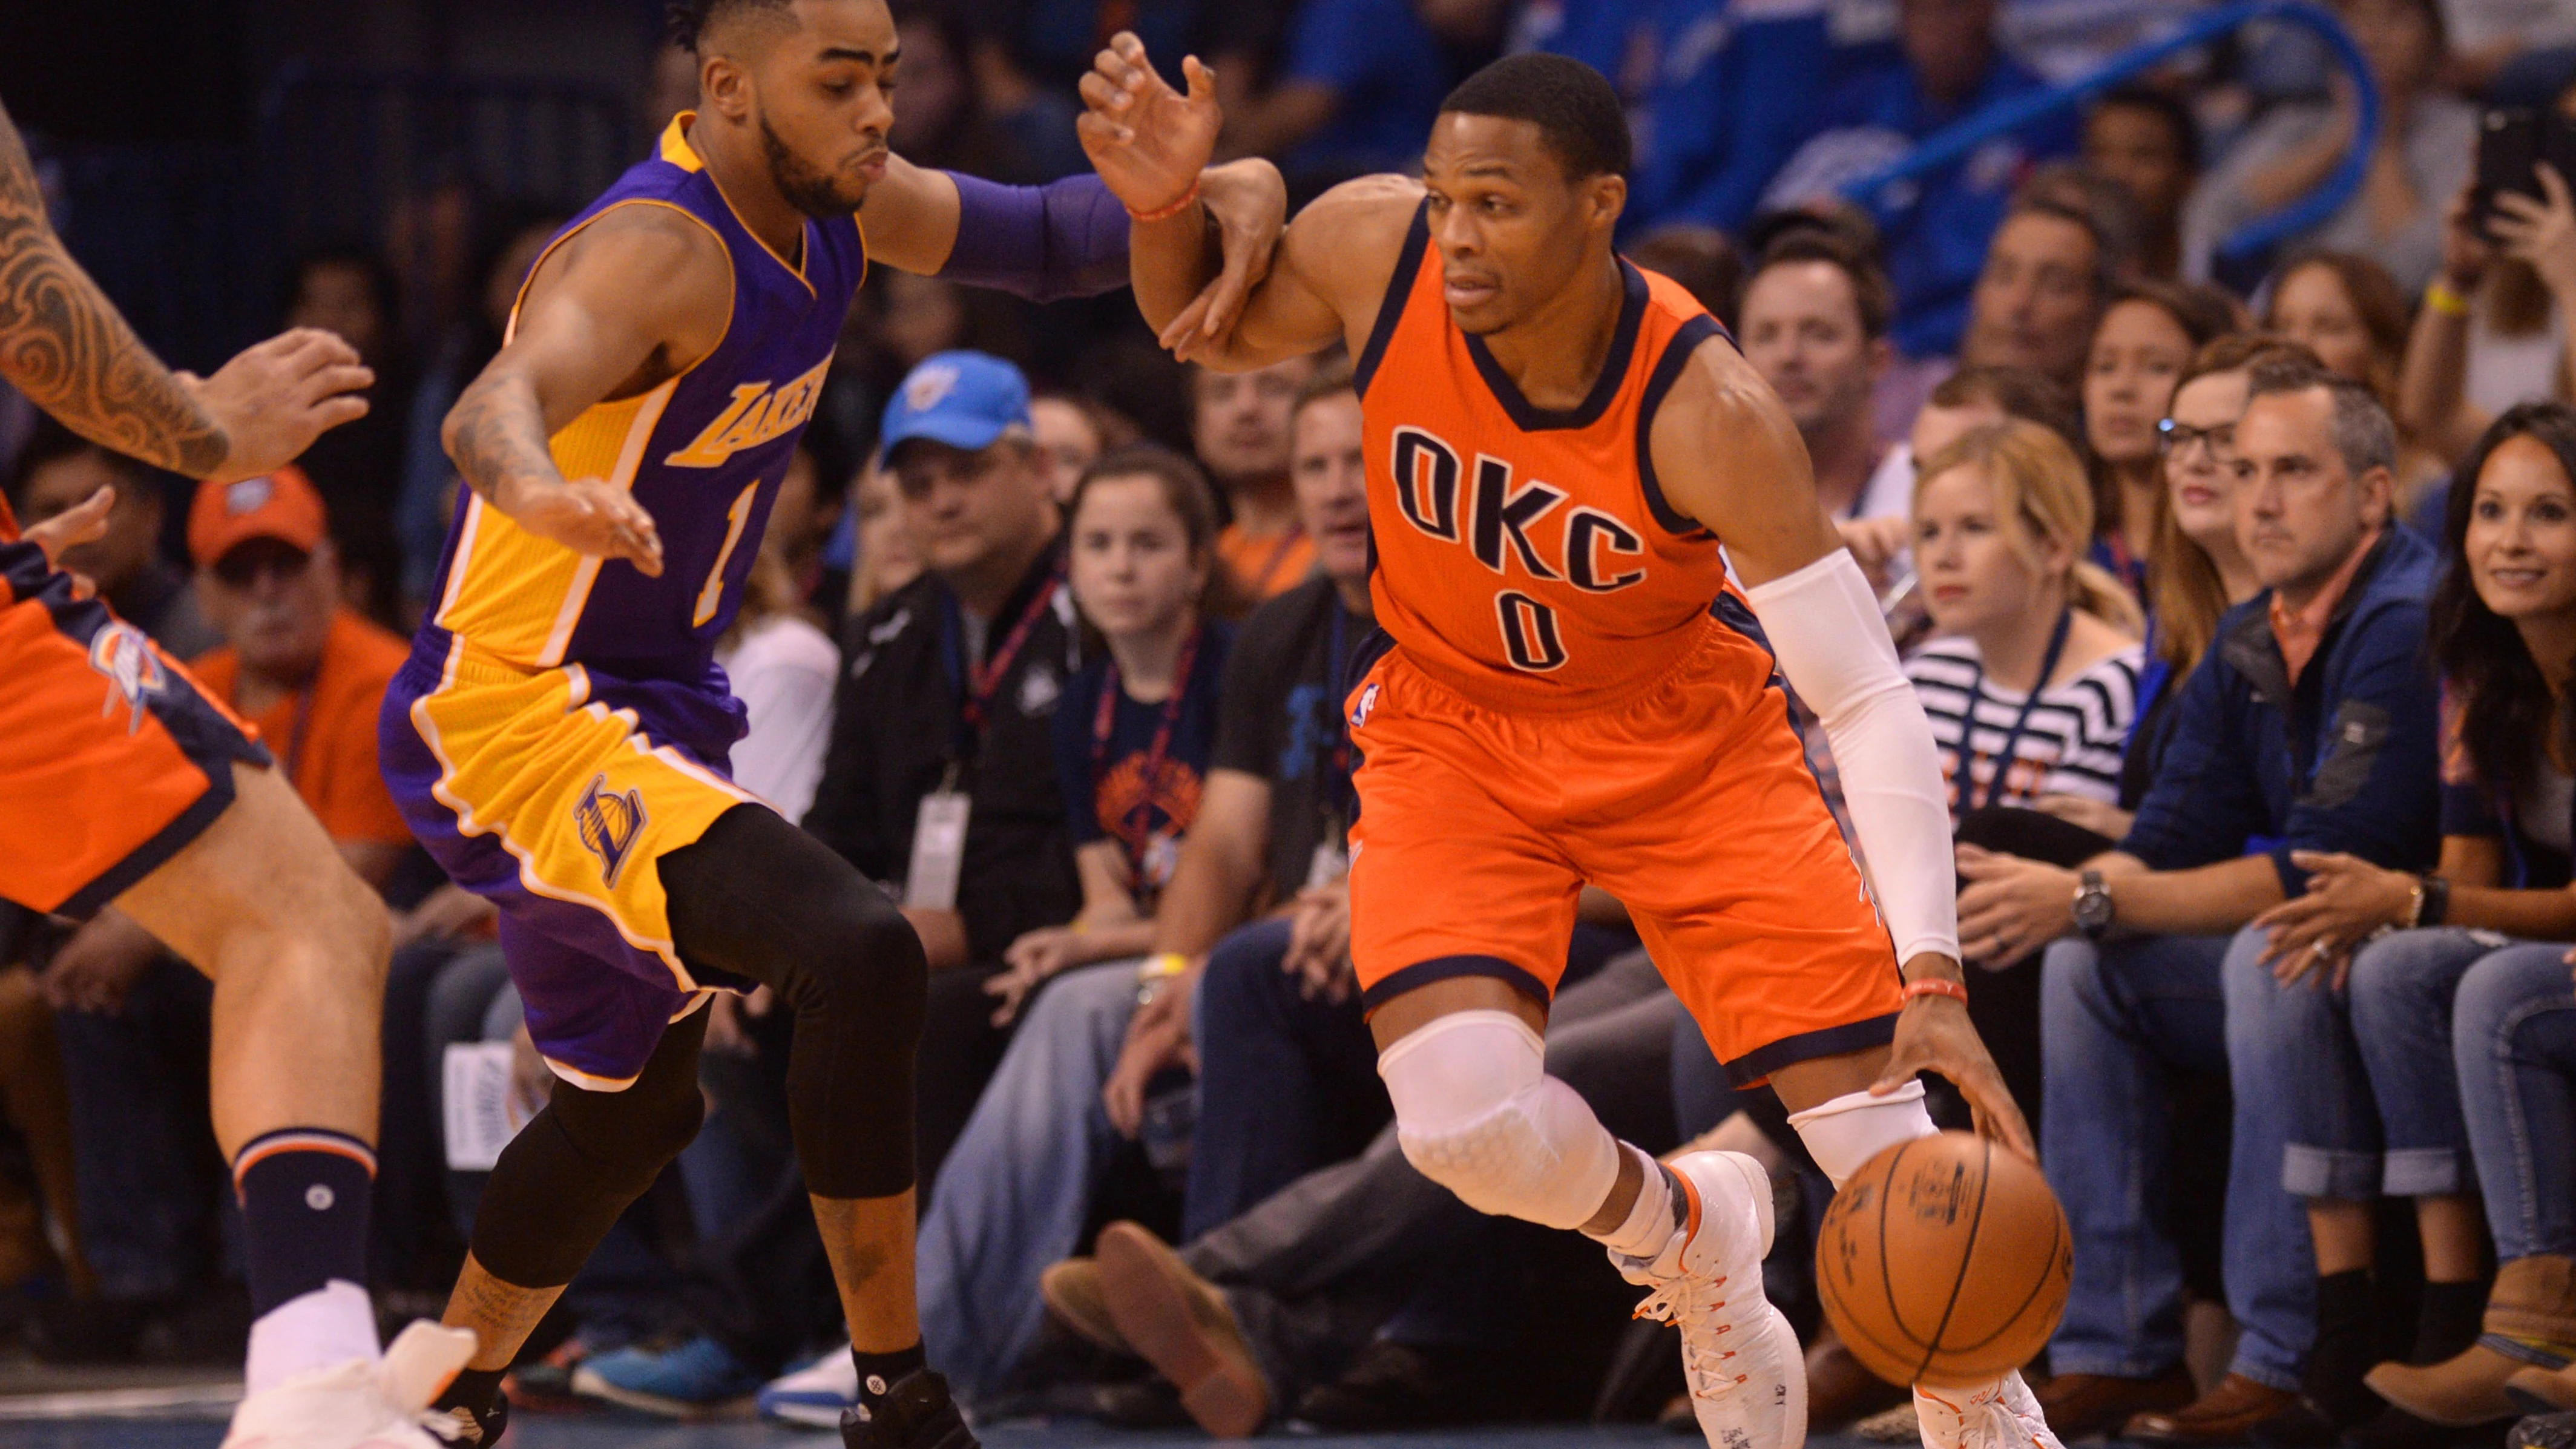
(1650,1223)
(1845,1133)
(322,1329)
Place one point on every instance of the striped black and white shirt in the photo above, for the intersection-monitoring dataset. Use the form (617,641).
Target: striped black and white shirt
(2071,746)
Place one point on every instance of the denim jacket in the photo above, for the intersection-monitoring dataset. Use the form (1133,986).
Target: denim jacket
(2347,760)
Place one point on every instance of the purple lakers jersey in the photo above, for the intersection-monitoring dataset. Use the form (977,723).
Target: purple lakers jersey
(703,454)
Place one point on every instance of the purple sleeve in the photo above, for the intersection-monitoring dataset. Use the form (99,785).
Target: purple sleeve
(1067,238)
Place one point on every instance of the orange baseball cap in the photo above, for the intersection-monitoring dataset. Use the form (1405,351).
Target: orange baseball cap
(281,505)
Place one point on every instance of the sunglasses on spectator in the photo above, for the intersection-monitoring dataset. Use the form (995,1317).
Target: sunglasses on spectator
(2174,439)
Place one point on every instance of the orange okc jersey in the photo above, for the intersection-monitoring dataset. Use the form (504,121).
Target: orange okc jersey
(1526,555)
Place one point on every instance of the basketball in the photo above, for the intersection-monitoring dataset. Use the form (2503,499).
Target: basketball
(1944,1262)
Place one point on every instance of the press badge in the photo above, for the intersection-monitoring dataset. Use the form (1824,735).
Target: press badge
(938,852)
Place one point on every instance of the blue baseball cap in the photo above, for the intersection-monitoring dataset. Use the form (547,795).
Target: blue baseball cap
(964,399)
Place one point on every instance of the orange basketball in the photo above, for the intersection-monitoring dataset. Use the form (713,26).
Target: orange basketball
(1944,1262)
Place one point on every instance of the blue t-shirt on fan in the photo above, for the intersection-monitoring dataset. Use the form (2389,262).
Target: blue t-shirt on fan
(1115,787)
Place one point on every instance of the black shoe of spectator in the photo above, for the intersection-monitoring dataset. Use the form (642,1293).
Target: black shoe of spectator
(1148,1403)
(916,1413)
(1391,1386)
(2543,1431)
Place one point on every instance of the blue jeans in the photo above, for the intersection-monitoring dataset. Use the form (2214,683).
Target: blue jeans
(2513,1036)
(1014,1192)
(1287,1083)
(2360,1078)
(2117,1019)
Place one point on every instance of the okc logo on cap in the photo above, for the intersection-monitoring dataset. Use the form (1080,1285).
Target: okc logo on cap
(928,387)
(250,495)
(134,673)
(610,822)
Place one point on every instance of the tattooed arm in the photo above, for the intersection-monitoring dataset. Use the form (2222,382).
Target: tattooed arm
(63,344)
(618,308)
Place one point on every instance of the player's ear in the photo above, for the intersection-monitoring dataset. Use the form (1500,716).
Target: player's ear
(1609,198)
(724,87)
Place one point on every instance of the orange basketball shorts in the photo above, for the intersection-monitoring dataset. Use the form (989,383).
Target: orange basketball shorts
(1691,801)
(111,758)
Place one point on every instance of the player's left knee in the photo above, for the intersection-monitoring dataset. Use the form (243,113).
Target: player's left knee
(863,971)
(1476,1112)
(1845,1133)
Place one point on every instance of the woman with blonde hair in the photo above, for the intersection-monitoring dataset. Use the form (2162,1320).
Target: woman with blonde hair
(2032,682)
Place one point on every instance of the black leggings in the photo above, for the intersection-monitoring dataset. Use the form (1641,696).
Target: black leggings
(759,898)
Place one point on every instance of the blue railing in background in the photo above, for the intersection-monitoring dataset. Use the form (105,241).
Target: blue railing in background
(2255,238)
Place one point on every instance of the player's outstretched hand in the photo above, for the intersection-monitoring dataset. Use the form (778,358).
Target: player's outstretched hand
(1147,141)
(588,516)
(275,397)
(1933,1034)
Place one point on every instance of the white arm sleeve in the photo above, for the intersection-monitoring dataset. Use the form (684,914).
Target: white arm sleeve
(1833,646)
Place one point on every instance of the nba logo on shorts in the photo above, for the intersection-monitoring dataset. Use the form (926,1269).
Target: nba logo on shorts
(134,673)
(609,823)
(1368,701)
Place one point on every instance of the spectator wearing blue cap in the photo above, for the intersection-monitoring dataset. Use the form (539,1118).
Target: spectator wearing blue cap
(941,780)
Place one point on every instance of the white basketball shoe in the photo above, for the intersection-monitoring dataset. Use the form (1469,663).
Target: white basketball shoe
(1748,1381)
(2002,1415)
(361,1404)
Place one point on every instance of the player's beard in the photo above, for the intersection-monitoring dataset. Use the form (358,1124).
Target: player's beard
(814,192)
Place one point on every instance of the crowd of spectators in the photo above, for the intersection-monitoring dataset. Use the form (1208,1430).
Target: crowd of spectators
(2242,607)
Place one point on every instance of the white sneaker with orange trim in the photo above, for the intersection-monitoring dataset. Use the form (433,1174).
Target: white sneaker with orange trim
(2002,1415)
(1748,1381)
(361,1404)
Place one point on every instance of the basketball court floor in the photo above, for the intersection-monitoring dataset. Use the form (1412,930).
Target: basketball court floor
(602,1431)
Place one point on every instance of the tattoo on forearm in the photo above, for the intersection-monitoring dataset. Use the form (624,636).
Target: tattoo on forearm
(63,344)
(497,430)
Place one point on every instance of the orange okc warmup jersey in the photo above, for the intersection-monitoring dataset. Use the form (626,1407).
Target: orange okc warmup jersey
(1525,555)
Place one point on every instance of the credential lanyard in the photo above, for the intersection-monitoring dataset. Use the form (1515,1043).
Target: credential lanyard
(1134,834)
(2021,721)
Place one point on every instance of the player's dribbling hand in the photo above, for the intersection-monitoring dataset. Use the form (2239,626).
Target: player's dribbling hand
(588,516)
(1933,1034)
(275,397)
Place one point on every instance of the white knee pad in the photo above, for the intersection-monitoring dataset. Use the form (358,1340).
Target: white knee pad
(1476,1112)
(1845,1133)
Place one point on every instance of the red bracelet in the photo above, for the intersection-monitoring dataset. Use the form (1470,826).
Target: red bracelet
(1957,991)
(1166,213)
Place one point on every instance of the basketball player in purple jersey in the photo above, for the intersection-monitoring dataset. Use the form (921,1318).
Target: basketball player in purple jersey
(559,736)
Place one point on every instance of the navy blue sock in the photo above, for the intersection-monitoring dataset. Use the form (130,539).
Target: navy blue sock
(879,1372)
(304,1196)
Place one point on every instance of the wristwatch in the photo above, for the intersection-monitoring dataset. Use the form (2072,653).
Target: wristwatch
(2092,905)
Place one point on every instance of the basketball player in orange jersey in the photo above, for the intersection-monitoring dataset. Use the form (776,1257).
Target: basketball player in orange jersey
(1558,445)
(121,784)
(560,736)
